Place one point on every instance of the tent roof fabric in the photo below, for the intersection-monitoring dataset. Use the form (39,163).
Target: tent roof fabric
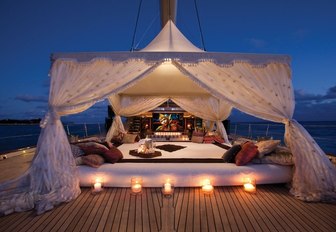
(170,43)
(171,39)
(219,58)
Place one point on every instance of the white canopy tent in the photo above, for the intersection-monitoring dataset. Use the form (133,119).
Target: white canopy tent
(204,83)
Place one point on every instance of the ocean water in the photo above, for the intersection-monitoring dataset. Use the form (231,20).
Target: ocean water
(324,133)
(18,136)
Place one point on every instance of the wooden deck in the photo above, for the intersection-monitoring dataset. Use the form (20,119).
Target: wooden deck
(272,208)
(227,209)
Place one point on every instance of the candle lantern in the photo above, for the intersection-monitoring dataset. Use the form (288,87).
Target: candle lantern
(97,185)
(250,185)
(168,188)
(207,188)
(136,185)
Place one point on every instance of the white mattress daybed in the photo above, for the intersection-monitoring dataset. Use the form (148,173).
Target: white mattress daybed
(183,174)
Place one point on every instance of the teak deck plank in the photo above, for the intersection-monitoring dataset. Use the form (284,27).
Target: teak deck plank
(144,212)
(197,214)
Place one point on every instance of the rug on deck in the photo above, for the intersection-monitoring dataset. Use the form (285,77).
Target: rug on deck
(170,147)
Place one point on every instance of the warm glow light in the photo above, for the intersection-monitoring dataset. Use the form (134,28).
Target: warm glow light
(97,186)
(136,184)
(168,188)
(207,187)
(250,185)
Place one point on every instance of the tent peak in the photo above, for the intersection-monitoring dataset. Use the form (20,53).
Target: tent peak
(170,39)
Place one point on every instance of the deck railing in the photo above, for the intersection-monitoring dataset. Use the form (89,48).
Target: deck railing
(12,138)
(12,141)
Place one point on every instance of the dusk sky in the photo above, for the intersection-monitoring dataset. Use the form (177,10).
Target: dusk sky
(31,30)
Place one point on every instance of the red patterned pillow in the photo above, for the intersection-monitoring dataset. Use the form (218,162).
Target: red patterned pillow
(219,139)
(246,154)
(112,155)
(209,139)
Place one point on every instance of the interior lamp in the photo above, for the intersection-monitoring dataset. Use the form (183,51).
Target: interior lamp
(249,185)
(207,188)
(136,185)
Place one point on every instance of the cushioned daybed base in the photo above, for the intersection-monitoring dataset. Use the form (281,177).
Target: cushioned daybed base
(184,174)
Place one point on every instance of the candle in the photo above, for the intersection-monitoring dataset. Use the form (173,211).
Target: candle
(167,188)
(136,188)
(207,187)
(136,185)
(97,187)
(249,185)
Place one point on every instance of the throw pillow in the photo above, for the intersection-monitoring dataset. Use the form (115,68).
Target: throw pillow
(92,148)
(130,138)
(112,155)
(246,154)
(93,160)
(230,155)
(117,138)
(76,151)
(282,158)
(209,139)
(219,139)
(266,147)
(197,139)
(79,160)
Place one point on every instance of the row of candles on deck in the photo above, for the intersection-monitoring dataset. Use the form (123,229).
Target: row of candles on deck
(168,189)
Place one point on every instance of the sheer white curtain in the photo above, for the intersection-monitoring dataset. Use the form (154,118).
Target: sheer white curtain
(130,106)
(266,92)
(208,108)
(52,177)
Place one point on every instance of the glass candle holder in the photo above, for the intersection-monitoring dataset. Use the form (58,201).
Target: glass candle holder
(207,188)
(97,186)
(249,185)
(167,189)
(136,185)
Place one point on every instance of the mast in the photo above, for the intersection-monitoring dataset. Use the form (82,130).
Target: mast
(168,10)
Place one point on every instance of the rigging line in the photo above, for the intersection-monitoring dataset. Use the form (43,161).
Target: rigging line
(199,25)
(136,25)
(146,31)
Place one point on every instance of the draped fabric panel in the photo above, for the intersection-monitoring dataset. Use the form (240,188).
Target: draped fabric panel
(52,177)
(130,106)
(208,108)
(266,92)
(318,181)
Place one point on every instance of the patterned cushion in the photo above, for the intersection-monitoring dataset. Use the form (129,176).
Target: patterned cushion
(76,151)
(118,138)
(230,155)
(267,146)
(130,138)
(246,154)
(92,148)
(209,139)
(93,160)
(282,158)
(197,139)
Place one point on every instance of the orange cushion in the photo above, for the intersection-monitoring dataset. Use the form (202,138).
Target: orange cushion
(246,154)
